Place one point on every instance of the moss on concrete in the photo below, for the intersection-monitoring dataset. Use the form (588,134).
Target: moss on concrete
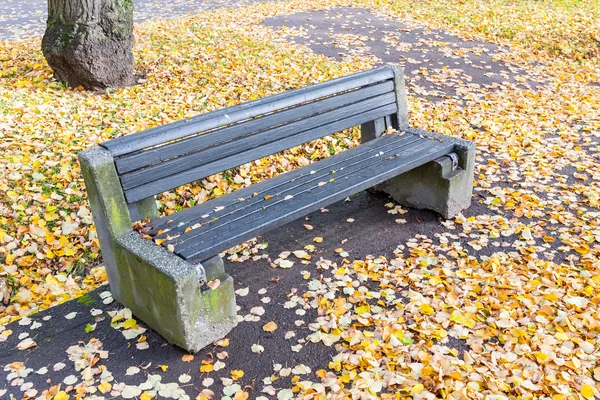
(108,206)
(86,300)
(166,293)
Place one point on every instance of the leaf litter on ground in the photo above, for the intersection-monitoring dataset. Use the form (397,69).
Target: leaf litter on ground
(527,313)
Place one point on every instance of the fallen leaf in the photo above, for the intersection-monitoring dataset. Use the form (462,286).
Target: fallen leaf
(270,327)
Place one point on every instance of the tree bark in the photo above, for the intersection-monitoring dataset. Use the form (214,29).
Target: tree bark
(89,43)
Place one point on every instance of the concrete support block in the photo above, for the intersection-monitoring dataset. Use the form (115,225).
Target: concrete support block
(435,185)
(108,205)
(401,117)
(169,294)
(143,209)
(172,296)
(213,267)
(372,130)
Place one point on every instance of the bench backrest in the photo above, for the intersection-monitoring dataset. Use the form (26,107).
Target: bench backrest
(169,156)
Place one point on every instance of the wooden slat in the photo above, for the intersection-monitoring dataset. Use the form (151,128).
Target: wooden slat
(177,130)
(278,214)
(190,175)
(247,199)
(254,145)
(202,141)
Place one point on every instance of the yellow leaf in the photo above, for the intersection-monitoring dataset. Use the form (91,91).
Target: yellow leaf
(130,323)
(207,366)
(302,254)
(551,297)
(587,391)
(427,309)
(318,239)
(561,336)
(63,241)
(542,358)
(417,389)
(428,370)
(49,238)
(146,396)
(583,249)
(455,375)
(61,395)
(237,374)
(104,387)
(457,317)
(163,367)
(187,357)
(270,327)
(435,280)
(335,365)
(240,395)
(363,309)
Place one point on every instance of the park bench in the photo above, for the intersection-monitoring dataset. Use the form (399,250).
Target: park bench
(171,275)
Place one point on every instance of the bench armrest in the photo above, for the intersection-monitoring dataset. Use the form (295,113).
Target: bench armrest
(107,202)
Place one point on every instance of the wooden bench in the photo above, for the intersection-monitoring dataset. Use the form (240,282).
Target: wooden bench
(169,285)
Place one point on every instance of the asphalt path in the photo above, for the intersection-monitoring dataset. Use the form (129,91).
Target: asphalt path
(437,64)
(21,19)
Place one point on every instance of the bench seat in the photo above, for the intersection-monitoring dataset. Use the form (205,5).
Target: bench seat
(200,232)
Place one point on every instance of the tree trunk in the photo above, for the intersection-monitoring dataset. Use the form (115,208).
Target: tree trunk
(89,43)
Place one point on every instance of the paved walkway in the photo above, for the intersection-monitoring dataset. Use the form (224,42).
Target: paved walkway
(437,64)
(20,19)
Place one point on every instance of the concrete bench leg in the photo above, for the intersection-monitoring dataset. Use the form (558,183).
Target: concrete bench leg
(143,209)
(435,185)
(168,293)
(171,295)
